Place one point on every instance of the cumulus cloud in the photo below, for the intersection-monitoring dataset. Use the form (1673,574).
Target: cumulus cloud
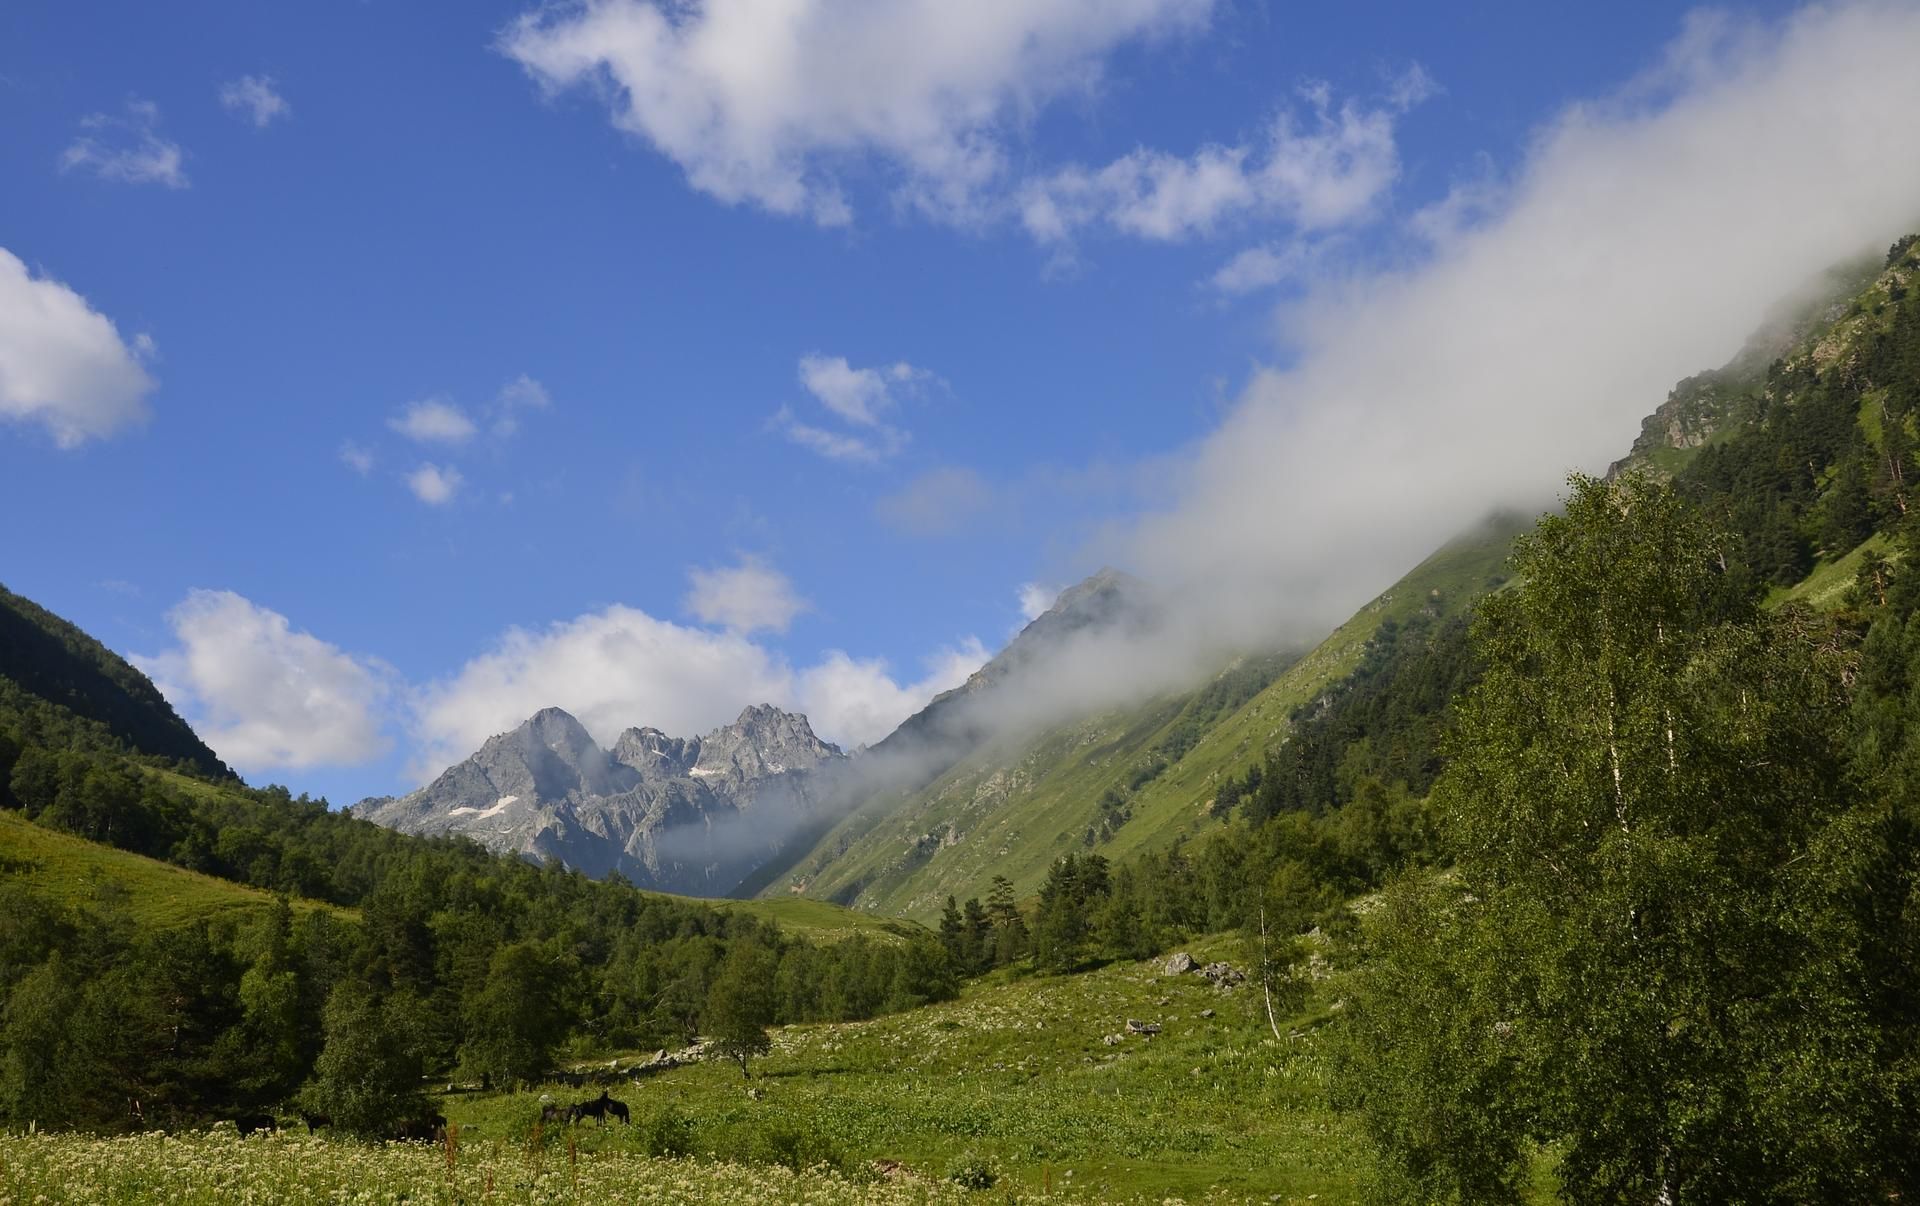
(63,364)
(128,149)
(254,98)
(434,421)
(857,397)
(766,105)
(1643,236)
(747,597)
(263,695)
(434,484)
(858,700)
(860,396)
(1324,170)
(620,667)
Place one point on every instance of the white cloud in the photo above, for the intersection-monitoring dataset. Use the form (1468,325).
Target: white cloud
(521,393)
(620,667)
(357,458)
(858,701)
(1641,239)
(1326,170)
(859,396)
(767,104)
(434,420)
(62,363)
(255,98)
(1036,600)
(434,485)
(128,149)
(838,446)
(263,695)
(1258,268)
(747,597)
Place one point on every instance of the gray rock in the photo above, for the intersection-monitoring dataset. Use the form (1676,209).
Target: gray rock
(1223,975)
(1138,1027)
(1178,964)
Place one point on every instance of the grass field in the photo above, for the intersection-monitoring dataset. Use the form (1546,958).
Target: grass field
(73,871)
(1016,1075)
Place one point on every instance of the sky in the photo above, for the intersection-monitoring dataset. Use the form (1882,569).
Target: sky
(373,375)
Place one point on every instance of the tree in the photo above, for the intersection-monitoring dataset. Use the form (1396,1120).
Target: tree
(740,1005)
(516,1020)
(1650,951)
(367,1077)
(1010,938)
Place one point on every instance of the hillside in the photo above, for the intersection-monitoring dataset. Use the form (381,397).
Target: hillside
(1134,780)
(59,686)
(1141,779)
(72,871)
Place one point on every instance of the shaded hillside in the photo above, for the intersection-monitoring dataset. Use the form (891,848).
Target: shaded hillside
(59,686)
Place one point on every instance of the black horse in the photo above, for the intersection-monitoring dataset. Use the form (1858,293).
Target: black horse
(600,1107)
(420,1130)
(247,1124)
(314,1121)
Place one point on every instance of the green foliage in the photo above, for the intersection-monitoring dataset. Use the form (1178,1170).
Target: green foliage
(1649,951)
(367,1078)
(741,1005)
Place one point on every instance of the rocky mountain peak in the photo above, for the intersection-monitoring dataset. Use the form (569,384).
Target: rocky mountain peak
(764,741)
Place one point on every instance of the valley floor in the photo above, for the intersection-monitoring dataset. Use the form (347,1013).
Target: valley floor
(1015,1077)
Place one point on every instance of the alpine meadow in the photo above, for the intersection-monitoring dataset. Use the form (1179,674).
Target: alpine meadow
(1075,601)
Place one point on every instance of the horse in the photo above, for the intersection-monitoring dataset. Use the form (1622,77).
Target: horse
(600,1107)
(314,1121)
(557,1113)
(420,1130)
(247,1124)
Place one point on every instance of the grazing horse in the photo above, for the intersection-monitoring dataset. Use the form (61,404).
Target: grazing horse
(600,1107)
(421,1130)
(556,1112)
(314,1121)
(247,1124)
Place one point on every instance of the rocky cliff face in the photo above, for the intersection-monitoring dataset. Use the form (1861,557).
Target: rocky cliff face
(689,815)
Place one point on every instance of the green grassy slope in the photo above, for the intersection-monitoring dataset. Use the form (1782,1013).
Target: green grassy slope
(75,871)
(1017,1073)
(1012,812)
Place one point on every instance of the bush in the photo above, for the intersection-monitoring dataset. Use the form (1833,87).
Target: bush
(797,1149)
(972,1171)
(667,1133)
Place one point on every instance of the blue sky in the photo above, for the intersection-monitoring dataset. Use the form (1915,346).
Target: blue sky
(450,342)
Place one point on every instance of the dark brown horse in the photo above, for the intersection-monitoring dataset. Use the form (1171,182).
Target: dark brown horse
(314,1121)
(247,1124)
(555,1112)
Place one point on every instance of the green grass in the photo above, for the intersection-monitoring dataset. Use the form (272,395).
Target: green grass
(1824,588)
(817,920)
(74,871)
(1013,812)
(1015,1073)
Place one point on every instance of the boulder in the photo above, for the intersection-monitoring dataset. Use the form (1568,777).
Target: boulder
(1179,964)
(1223,975)
(1134,1026)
